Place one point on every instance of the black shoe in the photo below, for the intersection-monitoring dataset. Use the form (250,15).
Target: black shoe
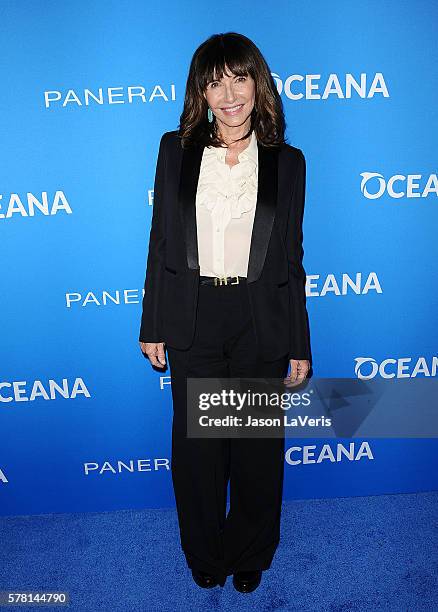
(245,582)
(204,580)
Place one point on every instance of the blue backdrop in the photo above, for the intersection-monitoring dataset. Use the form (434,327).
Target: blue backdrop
(87,90)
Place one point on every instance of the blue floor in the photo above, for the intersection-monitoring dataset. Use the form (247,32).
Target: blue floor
(336,555)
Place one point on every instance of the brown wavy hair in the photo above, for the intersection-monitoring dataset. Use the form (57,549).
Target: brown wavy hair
(212,58)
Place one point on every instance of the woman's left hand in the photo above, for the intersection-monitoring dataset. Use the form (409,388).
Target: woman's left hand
(298,372)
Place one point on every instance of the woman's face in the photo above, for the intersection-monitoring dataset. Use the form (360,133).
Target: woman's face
(231,99)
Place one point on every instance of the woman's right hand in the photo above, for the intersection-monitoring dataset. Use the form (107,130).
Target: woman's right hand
(155,352)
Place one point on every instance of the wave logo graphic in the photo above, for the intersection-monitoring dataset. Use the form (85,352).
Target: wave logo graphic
(360,361)
(366,176)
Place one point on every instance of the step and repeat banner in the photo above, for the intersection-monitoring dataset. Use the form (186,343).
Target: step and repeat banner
(88,88)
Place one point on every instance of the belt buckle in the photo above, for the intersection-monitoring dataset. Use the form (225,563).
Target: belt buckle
(221,279)
(237,280)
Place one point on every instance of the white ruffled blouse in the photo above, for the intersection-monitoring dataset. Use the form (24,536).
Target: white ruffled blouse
(225,208)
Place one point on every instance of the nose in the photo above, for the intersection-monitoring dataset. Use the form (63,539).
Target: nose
(230,94)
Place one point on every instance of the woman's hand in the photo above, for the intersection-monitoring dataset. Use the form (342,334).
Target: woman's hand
(298,372)
(155,352)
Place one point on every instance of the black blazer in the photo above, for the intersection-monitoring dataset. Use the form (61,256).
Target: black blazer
(275,277)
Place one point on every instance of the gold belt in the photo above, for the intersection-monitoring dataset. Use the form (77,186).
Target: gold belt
(220,281)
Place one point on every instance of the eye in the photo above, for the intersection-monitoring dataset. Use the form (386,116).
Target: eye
(213,84)
(241,77)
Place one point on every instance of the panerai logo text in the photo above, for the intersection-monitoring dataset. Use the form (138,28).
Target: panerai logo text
(101,96)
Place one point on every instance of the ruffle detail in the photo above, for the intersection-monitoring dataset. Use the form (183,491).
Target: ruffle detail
(217,182)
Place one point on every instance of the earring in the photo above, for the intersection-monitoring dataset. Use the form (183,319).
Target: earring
(210,115)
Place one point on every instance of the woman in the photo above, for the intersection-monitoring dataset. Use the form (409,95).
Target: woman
(225,294)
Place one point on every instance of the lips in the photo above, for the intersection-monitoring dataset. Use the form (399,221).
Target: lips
(231,110)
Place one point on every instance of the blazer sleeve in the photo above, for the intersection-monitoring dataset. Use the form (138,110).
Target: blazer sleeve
(299,320)
(150,328)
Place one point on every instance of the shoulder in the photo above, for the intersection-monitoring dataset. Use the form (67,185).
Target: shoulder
(169,139)
(292,152)
(168,142)
(293,159)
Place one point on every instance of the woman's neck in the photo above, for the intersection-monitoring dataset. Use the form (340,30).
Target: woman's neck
(229,135)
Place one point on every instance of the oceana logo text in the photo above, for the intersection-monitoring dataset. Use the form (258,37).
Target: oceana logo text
(402,367)
(374,185)
(30,205)
(24,391)
(132,465)
(100,96)
(318,87)
(305,455)
(3,478)
(360,283)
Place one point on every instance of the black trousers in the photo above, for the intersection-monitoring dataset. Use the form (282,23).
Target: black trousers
(224,345)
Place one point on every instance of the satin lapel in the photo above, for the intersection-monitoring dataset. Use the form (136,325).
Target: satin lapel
(190,168)
(265,208)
